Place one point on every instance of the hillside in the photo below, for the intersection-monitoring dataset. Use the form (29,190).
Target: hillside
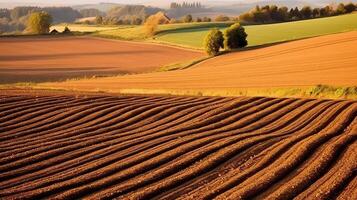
(265,34)
(329,60)
(74,146)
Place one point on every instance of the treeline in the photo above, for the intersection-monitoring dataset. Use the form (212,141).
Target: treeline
(273,13)
(15,20)
(178,10)
(175,5)
(128,14)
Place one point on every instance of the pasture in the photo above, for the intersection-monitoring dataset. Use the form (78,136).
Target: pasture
(271,33)
(39,59)
(72,146)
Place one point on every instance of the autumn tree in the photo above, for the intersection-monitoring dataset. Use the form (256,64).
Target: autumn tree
(39,22)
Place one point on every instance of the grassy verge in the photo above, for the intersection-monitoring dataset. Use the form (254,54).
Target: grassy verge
(318,91)
(180,66)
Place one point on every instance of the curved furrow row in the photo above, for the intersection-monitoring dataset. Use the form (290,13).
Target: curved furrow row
(316,121)
(34,117)
(317,166)
(73,139)
(289,159)
(327,186)
(50,123)
(296,119)
(20,110)
(98,130)
(349,192)
(213,159)
(110,142)
(86,158)
(165,147)
(80,117)
(10,100)
(62,118)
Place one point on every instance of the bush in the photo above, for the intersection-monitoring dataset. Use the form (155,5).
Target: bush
(221,18)
(66,30)
(213,42)
(235,37)
(350,8)
(99,20)
(206,19)
(151,25)
(39,22)
(187,18)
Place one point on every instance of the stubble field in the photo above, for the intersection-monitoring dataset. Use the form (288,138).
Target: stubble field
(327,60)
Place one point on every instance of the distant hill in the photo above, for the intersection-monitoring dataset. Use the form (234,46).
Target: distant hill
(103,7)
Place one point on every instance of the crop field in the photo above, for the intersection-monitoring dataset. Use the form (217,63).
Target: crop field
(265,34)
(84,28)
(327,60)
(60,145)
(138,32)
(38,59)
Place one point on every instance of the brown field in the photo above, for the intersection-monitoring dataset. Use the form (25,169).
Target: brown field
(57,145)
(38,59)
(329,60)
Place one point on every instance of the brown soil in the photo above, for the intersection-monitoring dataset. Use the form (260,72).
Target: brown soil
(62,145)
(329,60)
(38,59)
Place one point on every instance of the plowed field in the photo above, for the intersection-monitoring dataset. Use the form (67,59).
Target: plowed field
(96,146)
(38,59)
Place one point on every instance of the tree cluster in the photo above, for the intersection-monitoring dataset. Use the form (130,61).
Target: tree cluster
(175,5)
(273,13)
(233,37)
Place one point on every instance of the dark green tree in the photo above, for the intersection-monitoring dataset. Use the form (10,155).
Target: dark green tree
(235,37)
(213,42)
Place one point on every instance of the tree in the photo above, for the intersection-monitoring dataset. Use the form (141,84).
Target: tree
(39,22)
(340,9)
(66,30)
(221,18)
(350,7)
(315,12)
(306,12)
(151,25)
(187,18)
(213,42)
(99,20)
(206,19)
(235,37)
(198,19)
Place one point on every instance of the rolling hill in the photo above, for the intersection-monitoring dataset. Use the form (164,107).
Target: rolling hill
(265,34)
(328,60)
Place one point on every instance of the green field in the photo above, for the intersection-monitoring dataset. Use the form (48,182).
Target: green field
(83,28)
(138,32)
(264,34)
(192,34)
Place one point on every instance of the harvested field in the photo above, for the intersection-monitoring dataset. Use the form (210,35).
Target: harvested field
(327,60)
(96,146)
(39,59)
